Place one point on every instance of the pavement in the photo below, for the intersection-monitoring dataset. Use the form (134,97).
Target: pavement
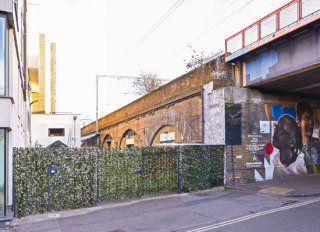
(176,212)
(294,186)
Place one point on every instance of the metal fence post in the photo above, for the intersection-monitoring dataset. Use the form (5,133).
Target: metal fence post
(48,179)
(142,173)
(179,169)
(14,199)
(97,176)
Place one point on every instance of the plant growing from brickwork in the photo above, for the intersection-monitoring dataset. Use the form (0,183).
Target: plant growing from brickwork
(147,83)
(210,67)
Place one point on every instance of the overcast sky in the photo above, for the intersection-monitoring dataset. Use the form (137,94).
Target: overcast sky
(125,37)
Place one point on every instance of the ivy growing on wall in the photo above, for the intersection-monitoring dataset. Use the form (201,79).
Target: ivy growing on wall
(59,179)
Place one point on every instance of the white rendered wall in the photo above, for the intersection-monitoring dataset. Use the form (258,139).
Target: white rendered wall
(214,115)
(14,113)
(40,124)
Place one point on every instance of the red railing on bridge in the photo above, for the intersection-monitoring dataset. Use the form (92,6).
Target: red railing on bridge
(281,18)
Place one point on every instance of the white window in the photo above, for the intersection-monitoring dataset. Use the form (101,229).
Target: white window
(3,29)
(55,132)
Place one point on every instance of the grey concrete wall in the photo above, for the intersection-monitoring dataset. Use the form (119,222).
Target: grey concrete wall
(287,56)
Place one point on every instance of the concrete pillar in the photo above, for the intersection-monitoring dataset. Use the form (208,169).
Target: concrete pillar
(238,77)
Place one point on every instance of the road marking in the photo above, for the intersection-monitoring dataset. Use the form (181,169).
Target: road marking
(244,218)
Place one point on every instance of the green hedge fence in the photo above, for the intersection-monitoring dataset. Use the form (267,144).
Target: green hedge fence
(59,179)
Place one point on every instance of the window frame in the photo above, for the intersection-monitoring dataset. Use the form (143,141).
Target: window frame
(5,80)
(52,135)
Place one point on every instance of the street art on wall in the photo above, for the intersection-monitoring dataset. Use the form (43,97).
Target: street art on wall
(233,124)
(295,148)
(259,69)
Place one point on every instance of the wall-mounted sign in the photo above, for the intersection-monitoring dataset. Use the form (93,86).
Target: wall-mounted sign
(130,141)
(167,137)
(264,127)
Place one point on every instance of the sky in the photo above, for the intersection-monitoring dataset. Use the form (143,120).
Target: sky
(127,37)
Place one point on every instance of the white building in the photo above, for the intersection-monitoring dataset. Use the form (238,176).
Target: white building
(49,128)
(14,95)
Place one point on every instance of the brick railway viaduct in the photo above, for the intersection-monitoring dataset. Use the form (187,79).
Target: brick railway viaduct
(172,113)
(272,65)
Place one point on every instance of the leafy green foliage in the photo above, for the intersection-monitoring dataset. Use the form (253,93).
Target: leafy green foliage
(84,177)
(202,167)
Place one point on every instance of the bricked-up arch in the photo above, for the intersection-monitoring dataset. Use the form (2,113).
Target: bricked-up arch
(167,134)
(108,141)
(129,139)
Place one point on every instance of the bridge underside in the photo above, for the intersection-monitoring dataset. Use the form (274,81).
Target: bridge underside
(287,61)
(304,82)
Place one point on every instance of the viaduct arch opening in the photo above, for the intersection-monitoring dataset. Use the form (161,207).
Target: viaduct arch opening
(167,134)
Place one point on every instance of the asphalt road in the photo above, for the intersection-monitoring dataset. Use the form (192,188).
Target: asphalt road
(188,212)
(298,217)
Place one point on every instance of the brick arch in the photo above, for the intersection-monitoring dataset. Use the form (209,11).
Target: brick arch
(108,141)
(129,138)
(172,135)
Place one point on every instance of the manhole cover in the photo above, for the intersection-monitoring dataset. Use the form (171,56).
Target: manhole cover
(54,215)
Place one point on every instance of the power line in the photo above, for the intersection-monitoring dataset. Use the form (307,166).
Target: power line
(158,24)
(212,27)
(160,21)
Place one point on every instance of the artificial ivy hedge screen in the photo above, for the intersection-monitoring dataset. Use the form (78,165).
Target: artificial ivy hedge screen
(57,179)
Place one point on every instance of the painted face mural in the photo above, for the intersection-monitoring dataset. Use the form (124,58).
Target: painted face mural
(311,144)
(297,149)
(287,139)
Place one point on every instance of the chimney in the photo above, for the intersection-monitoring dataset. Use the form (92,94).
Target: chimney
(42,75)
(53,79)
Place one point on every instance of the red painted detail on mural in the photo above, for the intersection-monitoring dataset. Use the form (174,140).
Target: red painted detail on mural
(269,148)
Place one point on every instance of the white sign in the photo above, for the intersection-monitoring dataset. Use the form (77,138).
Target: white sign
(165,137)
(264,127)
(130,141)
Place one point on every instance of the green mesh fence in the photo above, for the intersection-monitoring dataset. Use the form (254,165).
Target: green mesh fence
(73,184)
(118,176)
(160,172)
(64,178)
(30,176)
(202,167)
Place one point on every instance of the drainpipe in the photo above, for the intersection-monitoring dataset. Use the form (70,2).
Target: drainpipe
(202,114)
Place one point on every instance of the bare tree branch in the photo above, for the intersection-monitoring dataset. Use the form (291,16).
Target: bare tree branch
(147,83)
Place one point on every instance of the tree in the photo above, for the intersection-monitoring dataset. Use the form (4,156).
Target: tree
(147,83)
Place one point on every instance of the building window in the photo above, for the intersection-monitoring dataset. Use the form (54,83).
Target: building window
(2,171)
(3,29)
(56,132)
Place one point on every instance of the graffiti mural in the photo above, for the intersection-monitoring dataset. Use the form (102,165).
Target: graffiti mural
(295,140)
